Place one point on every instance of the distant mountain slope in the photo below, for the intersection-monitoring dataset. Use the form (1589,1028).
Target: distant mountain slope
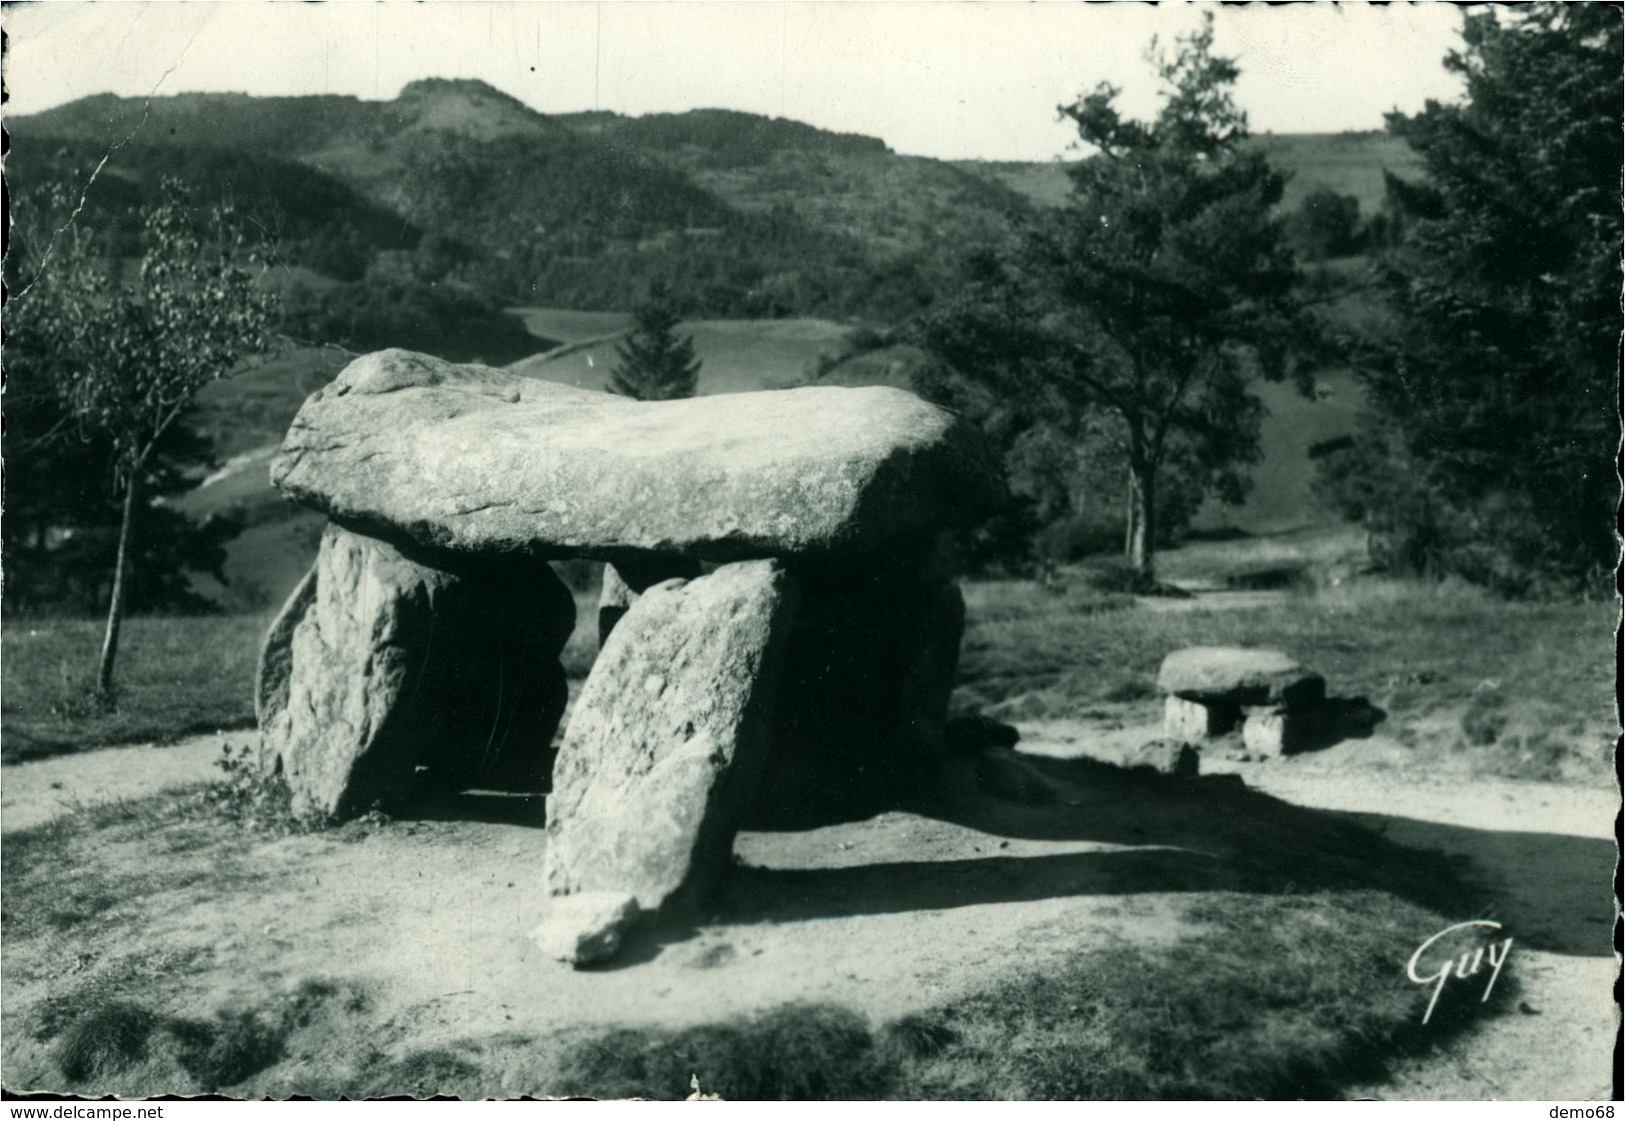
(1350,163)
(742,215)
(853,185)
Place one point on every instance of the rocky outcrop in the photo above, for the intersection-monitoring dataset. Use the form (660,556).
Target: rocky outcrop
(670,731)
(451,462)
(382,678)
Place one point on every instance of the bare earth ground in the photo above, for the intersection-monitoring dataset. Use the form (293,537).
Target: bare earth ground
(883,916)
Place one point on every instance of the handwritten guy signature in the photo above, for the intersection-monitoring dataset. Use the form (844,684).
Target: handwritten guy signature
(1466,966)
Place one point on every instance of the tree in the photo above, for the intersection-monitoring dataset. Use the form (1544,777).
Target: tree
(656,363)
(125,355)
(1142,312)
(1499,387)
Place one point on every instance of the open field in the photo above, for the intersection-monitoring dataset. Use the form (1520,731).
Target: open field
(176,677)
(1467,682)
(1467,685)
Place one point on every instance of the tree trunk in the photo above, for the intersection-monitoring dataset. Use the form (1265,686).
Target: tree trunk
(1142,522)
(1131,517)
(121,584)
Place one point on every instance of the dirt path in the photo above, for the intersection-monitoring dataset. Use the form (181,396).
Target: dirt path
(1546,851)
(33,793)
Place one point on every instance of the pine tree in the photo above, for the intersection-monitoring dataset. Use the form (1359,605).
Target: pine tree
(656,363)
(1499,392)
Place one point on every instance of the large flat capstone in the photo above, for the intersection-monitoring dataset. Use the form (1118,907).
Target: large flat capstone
(454,461)
(1235,675)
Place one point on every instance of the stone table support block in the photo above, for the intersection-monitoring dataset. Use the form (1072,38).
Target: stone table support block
(1195,721)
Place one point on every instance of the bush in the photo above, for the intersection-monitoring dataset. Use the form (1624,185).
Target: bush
(254,798)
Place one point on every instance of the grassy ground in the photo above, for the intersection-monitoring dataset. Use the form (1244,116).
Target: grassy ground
(176,677)
(1278,992)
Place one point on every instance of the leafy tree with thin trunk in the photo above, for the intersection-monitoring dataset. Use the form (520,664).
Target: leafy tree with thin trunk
(1138,316)
(128,350)
(655,362)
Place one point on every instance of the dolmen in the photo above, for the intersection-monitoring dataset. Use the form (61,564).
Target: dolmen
(779,623)
(1279,705)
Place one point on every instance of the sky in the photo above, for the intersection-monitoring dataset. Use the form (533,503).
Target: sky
(955,80)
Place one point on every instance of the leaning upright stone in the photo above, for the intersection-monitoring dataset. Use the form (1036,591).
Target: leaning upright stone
(382,678)
(668,735)
(450,462)
(623,583)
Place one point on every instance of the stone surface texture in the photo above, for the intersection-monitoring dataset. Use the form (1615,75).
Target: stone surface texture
(450,461)
(273,675)
(587,928)
(1282,731)
(622,585)
(381,678)
(1240,676)
(668,735)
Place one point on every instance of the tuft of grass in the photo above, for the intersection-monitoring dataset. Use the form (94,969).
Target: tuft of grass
(1485,718)
(427,1073)
(253,798)
(231,1047)
(790,1053)
(108,1035)
(176,677)
(105,1040)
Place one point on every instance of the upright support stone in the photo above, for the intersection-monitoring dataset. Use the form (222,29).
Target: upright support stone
(928,681)
(668,737)
(382,678)
(1281,731)
(625,581)
(273,676)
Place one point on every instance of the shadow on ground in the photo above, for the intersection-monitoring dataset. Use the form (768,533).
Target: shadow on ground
(1552,891)
(1157,834)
